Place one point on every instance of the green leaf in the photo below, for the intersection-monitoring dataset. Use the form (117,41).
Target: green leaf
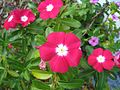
(86,73)
(36,54)
(32,5)
(65,27)
(13,73)
(43,75)
(33,53)
(26,75)
(113,76)
(35,27)
(71,10)
(77,83)
(2,76)
(15,64)
(78,32)
(101,80)
(30,54)
(39,85)
(71,22)
(34,88)
(83,12)
(89,49)
(39,39)
(2,68)
(57,27)
(14,38)
(84,63)
(48,31)
(107,86)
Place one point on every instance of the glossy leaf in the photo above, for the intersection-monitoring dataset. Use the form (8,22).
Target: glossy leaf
(39,85)
(71,22)
(13,73)
(72,84)
(41,74)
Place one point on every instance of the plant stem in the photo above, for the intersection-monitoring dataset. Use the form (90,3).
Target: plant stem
(95,17)
(54,82)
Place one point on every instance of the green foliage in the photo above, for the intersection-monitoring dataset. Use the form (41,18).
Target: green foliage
(71,84)
(19,68)
(43,75)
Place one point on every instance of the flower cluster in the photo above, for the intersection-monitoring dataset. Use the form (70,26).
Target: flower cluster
(62,50)
(19,16)
(58,42)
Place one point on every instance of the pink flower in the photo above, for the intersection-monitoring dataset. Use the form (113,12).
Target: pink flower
(94,41)
(10,22)
(117,59)
(61,50)
(115,17)
(94,1)
(19,16)
(49,8)
(26,16)
(101,59)
(118,4)
(42,65)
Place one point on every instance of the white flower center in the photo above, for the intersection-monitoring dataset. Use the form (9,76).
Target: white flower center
(49,7)
(62,50)
(24,18)
(101,59)
(10,18)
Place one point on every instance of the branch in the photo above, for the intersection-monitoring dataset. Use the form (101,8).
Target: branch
(95,17)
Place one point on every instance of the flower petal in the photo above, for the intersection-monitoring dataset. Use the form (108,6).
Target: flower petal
(92,60)
(56,38)
(44,15)
(31,16)
(73,57)
(98,67)
(72,41)
(8,25)
(42,6)
(54,13)
(57,3)
(108,64)
(58,64)
(98,51)
(47,51)
(13,23)
(108,55)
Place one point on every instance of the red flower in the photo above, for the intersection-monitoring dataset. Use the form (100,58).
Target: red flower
(10,22)
(49,8)
(22,16)
(101,59)
(26,16)
(61,50)
(10,46)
